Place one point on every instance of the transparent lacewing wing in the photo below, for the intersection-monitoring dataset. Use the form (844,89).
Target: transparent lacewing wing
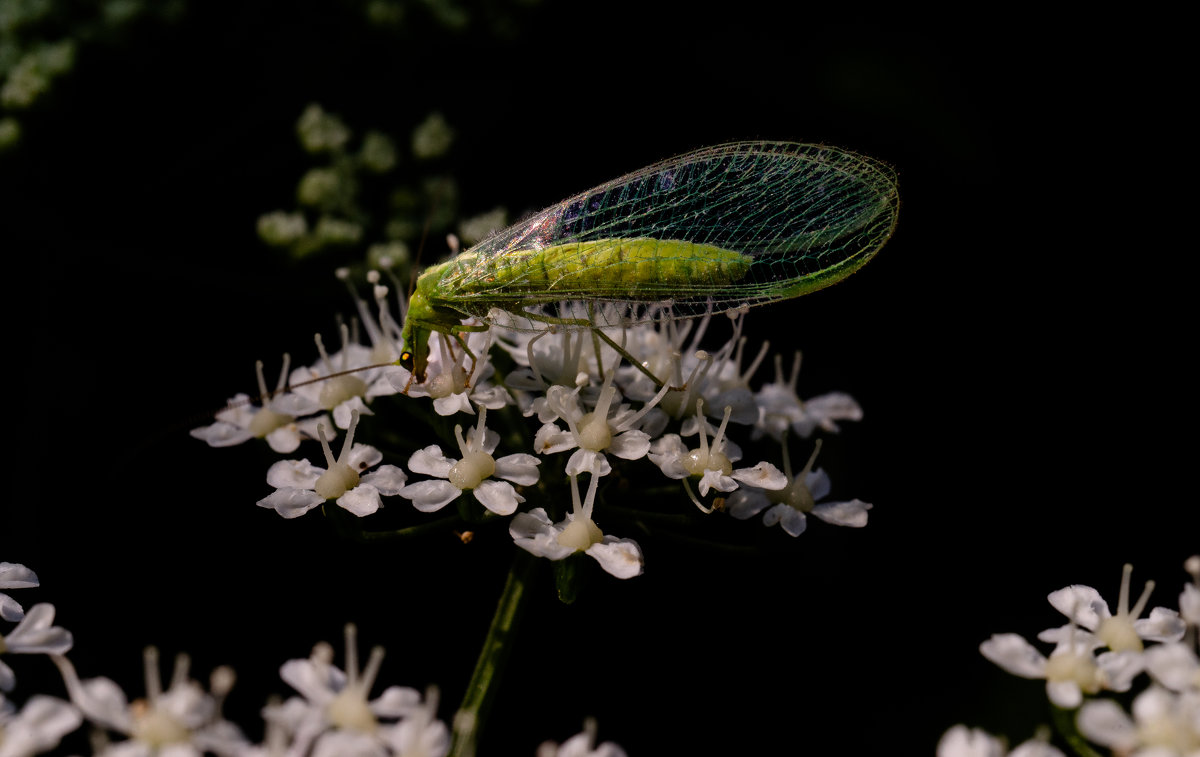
(724,227)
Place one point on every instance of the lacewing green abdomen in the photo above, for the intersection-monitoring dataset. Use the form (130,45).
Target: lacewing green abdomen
(720,228)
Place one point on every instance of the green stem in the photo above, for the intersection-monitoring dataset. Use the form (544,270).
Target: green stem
(485,681)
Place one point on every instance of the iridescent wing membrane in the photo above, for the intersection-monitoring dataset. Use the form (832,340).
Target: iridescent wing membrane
(738,224)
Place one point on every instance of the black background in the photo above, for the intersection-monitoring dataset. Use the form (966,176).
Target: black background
(1019,348)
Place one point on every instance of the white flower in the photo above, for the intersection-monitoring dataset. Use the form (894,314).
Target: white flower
(276,421)
(780,407)
(1164,724)
(334,717)
(342,382)
(581,745)
(301,486)
(542,362)
(420,733)
(1071,670)
(537,534)
(37,728)
(711,465)
(35,634)
(661,351)
(1189,600)
(1174,665)
(182,721)
(14,576)
(961,741)
(449,382)
(592,434)
(787,506)
(473,472)
(1120,632)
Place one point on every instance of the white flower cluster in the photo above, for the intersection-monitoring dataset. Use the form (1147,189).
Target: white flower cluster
(578,404)
(1102,651)
(332,715)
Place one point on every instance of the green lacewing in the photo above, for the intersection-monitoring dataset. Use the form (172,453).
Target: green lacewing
(713,230)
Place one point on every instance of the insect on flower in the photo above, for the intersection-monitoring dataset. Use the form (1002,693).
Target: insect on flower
(718,229)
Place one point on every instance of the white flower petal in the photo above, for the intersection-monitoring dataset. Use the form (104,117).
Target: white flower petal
(744,410)
(37,634)
(100,700)
(222,434)
(715,479)
(744,504)
(1189,604)
(961,741)
(852,513)
(16,576)
(396,702)
(519,468)
(1033,747)
(818,484)
(388,479)
(39,726)
(239,411)
(316,683)
(792,521)
(491,397)
(764,476)
(452,404)
(1071,636)
(498,496)
(429,496)
(431,462)
(1014,654)
(296,405)
(550,439)
(292,503)
(630,445)
(1120,668)
(343,413)
(293,474)
(1173,665)
(10,609)
(348,743)
(1082,604)
(491,439)
(535,533)
(361,500)
(1163,625)
(285,440)
(619,557)
(1104,722)
(1065,694)
(587,461)
(362,457)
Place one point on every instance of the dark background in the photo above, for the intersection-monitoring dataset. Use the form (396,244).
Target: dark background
(1019,348)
